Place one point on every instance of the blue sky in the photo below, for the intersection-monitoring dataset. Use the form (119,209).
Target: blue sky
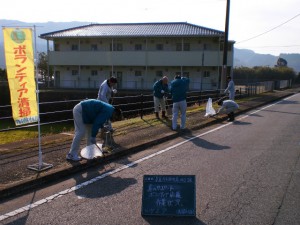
(264,26)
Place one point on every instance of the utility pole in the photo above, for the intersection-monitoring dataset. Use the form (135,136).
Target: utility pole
(225,47)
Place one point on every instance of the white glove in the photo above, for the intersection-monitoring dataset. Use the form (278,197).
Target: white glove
(115,91)
(162,91)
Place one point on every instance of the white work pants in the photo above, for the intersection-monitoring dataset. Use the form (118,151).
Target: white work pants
(179,106)
(231,95)
(80,130)
(159,102)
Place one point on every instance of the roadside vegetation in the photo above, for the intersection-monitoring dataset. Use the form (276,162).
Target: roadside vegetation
(68,127)
(32,132)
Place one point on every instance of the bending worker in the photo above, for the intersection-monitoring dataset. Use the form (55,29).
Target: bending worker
(89,115)
(228,107)
(160,88)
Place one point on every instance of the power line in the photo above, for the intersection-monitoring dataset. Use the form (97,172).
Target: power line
(275,46)
(268,30)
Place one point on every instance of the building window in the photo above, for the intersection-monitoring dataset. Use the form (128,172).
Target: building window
(138,47)
(184,74)
(116,47)
(159,73)
(94,47)
(74,72)
(229,47)
(206,73)
(138,73)
(221,46)
(74,47)
(186,47)
(94,72)
(159,47)
(56,47)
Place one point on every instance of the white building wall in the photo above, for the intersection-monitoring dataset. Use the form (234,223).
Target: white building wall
(127,61)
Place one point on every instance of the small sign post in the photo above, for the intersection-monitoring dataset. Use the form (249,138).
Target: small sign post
(169,195)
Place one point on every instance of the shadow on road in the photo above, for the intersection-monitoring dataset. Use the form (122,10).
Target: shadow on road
(238,122)
(108,186)
(281,112)
(203,143)
(173,220)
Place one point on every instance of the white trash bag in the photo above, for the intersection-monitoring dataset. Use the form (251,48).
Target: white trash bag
(92,151)
(210,111)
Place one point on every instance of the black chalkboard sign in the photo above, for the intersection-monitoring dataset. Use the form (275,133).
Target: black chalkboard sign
(169,195)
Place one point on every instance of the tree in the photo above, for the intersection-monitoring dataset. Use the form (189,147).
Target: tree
(43,68)
(259,73)
(281,62)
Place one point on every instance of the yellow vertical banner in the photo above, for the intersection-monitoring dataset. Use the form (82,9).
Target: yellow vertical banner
(19,56)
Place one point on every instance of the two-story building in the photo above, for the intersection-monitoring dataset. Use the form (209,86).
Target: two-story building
(137,54)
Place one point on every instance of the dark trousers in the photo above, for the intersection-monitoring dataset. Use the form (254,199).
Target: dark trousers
(231,116)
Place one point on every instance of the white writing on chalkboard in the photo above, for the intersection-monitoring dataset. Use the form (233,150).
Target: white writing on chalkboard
(172,194)
(169,179)
(185,212)
(169,195)
(167,202)
(152,211)
(153,187)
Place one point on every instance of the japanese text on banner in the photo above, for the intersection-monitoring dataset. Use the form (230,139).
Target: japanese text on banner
(20,73)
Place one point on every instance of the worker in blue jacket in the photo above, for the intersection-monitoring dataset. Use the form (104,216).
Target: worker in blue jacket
(89,115)
(178,90)
(160,89)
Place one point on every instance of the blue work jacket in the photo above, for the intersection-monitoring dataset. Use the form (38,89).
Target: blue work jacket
(179,88)
(158,87)
(96,112)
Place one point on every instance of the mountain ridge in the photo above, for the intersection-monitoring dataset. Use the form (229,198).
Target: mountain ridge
(242,57)
(248,58)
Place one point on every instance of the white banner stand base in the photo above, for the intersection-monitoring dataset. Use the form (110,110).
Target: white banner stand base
(38,167)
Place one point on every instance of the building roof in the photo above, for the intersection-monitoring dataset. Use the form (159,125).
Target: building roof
(119,30)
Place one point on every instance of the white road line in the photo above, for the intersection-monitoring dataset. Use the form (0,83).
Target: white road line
(86,183)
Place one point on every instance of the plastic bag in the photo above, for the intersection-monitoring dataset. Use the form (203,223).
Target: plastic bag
(210,111)
(91,151)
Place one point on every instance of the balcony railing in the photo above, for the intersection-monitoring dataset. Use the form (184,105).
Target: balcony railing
(137,58)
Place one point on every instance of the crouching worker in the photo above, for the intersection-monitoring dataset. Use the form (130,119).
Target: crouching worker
(89,116)
(228,107)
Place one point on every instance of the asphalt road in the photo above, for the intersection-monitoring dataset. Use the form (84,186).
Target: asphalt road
(247,172)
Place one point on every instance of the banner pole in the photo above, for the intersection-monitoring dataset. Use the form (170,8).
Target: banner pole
(37,98)
(41,165)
